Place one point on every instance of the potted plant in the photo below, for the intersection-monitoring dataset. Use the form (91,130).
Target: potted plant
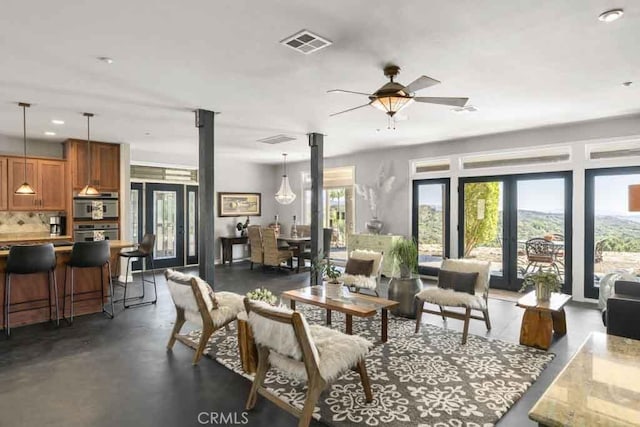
(544,282)
(404,288)
(331,276)
(262,294)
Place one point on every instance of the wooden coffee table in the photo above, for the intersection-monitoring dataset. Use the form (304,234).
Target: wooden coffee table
(542,318)
(352,305)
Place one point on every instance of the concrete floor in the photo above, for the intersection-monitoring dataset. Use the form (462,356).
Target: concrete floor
(102,372)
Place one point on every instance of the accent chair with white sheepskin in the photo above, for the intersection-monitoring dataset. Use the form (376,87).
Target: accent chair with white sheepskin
(196,302)
(311,353)
(461,283)
(354,279)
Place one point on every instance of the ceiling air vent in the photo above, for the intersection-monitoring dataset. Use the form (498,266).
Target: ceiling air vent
(306,42)
(278,139)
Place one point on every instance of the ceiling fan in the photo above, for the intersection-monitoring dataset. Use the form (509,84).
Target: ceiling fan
(393,96)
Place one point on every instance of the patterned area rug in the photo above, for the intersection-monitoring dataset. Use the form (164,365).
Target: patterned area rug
(426,379)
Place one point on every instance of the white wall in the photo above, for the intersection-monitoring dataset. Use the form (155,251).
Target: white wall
(14,146)
(395,209)
(245,177)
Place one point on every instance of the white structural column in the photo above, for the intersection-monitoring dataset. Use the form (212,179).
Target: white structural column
(206,192)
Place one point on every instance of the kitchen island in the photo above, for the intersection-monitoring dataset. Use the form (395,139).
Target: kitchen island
(27,290)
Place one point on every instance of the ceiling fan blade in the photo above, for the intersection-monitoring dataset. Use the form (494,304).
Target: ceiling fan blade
(350,109)
(420,83)
(454,102)
(347,91)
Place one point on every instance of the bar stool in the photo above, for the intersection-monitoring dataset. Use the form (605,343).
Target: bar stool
(144,252)
(30,259)
(94,254)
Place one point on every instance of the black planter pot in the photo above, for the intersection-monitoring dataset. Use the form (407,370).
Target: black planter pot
(404,291)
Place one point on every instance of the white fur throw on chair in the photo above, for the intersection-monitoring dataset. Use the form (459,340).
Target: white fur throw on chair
(335,351)
(365,282)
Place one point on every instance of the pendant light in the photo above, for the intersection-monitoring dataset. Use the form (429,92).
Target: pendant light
(25,189)
(88,190)
(285,196)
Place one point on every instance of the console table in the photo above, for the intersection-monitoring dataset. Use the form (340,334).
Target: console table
(378,243)
(227,246)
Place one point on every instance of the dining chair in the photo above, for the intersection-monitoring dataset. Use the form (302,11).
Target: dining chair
(274,256)
(255,245)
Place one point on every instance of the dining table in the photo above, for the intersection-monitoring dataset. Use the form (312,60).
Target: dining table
(298,244)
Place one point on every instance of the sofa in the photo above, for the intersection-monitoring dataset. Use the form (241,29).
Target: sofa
(622,316)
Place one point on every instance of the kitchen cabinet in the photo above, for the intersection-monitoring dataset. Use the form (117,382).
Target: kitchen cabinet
(46,177)
(105,165)
(3,184)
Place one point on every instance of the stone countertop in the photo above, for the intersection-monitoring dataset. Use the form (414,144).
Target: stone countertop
(599,386)
(8,238)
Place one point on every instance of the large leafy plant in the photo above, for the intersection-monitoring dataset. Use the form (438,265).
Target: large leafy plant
(405,252)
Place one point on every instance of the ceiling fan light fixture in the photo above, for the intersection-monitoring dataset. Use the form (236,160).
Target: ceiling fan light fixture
(285,196)
(88,190)
(391,104)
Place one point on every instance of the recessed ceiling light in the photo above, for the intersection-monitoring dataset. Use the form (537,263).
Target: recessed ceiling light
(49,133)
(611,15)
(627,84)
(147,133)
(105,59)
(57,122)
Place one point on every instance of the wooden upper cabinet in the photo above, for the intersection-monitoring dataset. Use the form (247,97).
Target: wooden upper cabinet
(51,185)
(105,165)
(16,172)
(3,184)
(46,177)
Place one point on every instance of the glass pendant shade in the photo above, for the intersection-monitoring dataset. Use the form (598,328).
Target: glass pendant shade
(25,189)
(285,196)
(391,104)
(88,190)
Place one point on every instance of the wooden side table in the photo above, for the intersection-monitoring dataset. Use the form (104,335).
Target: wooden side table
(227,246)
(246,345)
(542,318)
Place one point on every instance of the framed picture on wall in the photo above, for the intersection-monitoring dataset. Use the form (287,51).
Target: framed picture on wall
(239,204)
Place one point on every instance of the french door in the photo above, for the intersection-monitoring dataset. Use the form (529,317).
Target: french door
(519,223)
(192,224)
(164,211)
(430,223)
(612,231)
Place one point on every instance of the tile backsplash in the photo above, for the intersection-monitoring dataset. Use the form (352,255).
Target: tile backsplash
(24,222)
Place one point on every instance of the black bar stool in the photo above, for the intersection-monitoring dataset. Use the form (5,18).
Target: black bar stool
(30,259)
(94,254)
(144,253)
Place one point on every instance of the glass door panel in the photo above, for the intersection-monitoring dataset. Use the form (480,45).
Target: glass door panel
(541,225)
(431,223)
(136,217)
(192,224)
(612,238)
(165,219)
(483,234)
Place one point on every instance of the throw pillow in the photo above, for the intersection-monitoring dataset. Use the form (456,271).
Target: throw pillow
(458,281)
(359,267)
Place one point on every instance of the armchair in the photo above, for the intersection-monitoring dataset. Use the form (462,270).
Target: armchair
(451,298)
(196,302)
(359,282)
(315,354)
